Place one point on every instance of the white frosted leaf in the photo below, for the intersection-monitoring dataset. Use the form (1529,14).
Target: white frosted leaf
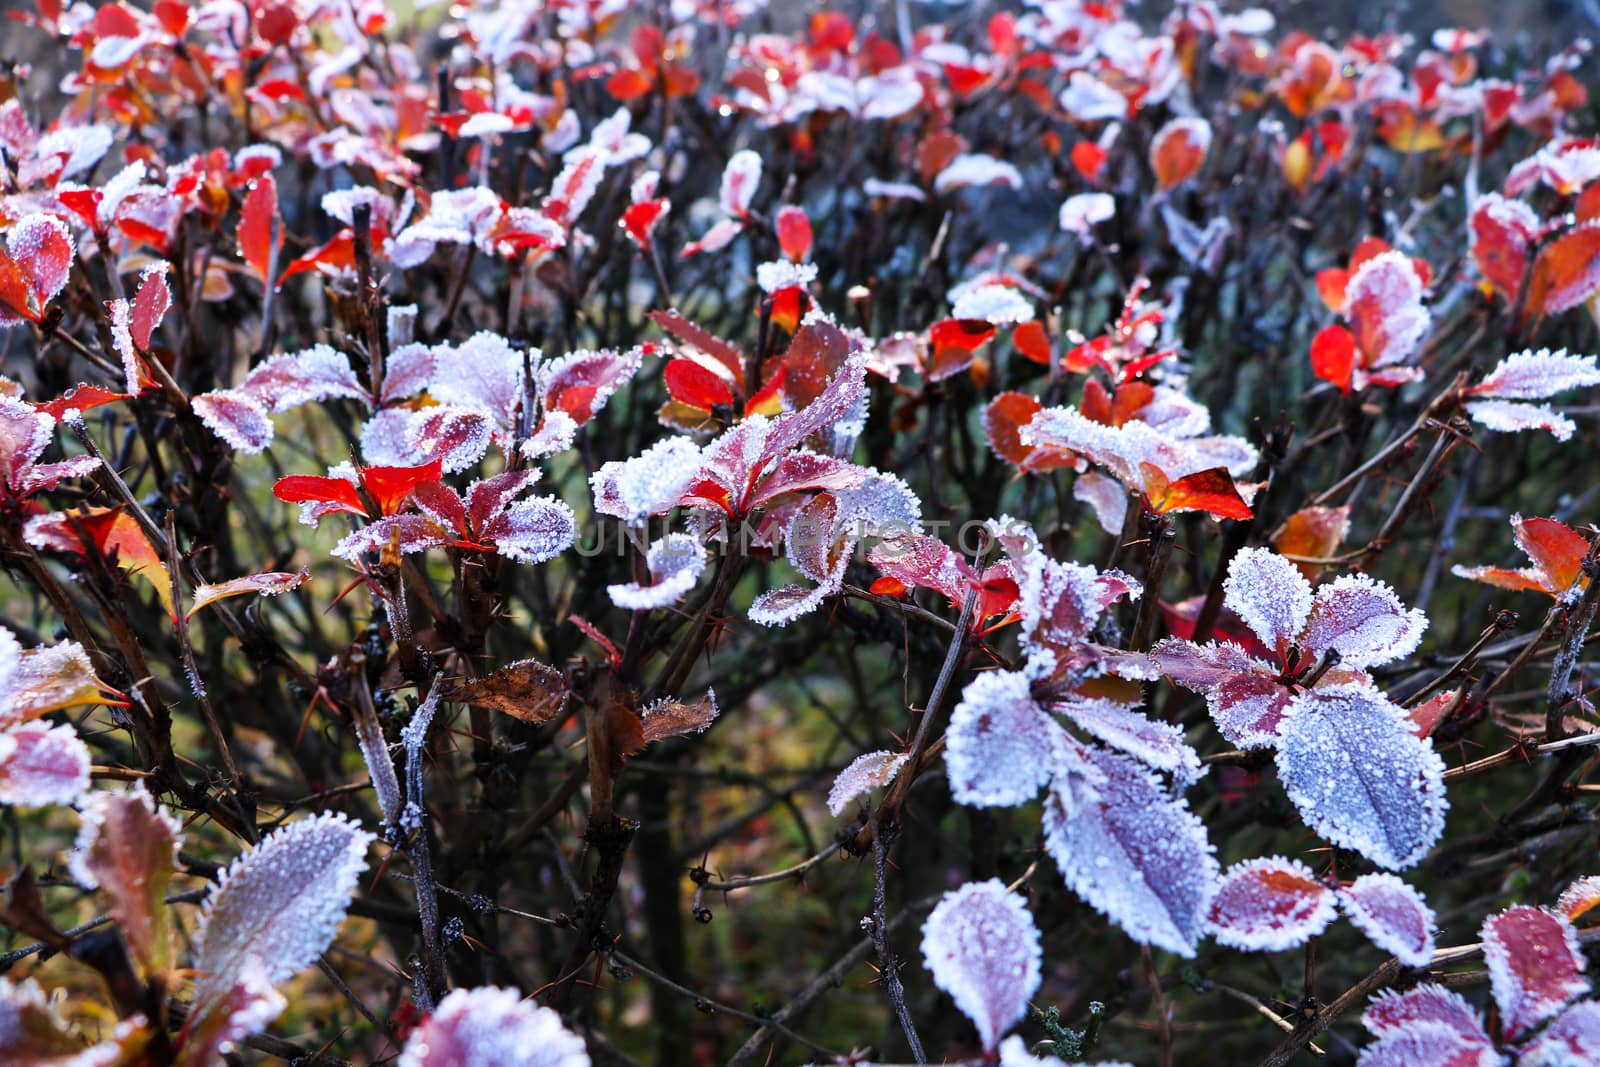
(999,745)
(216,1025)
(42,246)
(1363,620)
(318,373)
(1429,1045)
(781,274)
(1573,1040)
(456,436)
(1383,301)
(650,483)
(1105,496)
(1536,374)
(1393,915)
(492,1027)
(556,433)
(1080,213)
(280,903)
(993,302)
(1360,778)
(1159,745)
(42,764)
(1427,1004)
(676,562)
(1088,99)
(1270,594)
(982,947)
(1268,905)
(238,418)
(976,169)
(408,370)
(865,773)
(1506,416)
(739,180)
(533,530)
(1535,965)
(1133,851)
(483,373)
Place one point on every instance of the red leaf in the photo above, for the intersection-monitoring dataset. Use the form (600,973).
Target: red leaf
(390,487)
(1031,340)
(309,488)
(1392,915)
(150,305)
(1269,904)
(1535,965)
(1567,271)
(79,398)
(690,383)
(794,232)
(1333,356)
(256,226)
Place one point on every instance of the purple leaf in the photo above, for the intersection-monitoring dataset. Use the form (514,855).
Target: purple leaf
(41,764)
(1393,915)
(1270,594)
(1362,620)
(982,947)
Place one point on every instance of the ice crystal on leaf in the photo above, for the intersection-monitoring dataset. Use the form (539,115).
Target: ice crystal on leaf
(1357,619)
(993,303)
(676,562)
(34,1032)
(1535,965)
(865,773)
(1081,213)
(128,847)
(1000,744)
(1360,778)
(1428,1026)
(279,904)
(1269,904)
(1557,553)
(1393,915)
(982,947)
(1132,851)
(1269,594)
(1530,375)
(976,169)
(650,483)
(492,1027)
(1579,898)
(1573,1040)
(1124,728)
(25,433)
(41,764)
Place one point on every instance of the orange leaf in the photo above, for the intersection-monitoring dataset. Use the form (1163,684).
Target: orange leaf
(1315,533)
(1211,491)
(1567,271)
(1333,356)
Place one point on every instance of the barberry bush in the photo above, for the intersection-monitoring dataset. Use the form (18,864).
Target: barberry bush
(550,532)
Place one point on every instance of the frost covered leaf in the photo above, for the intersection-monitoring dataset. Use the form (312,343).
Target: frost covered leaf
(999,744)
(580,383)
(1363,620)
(865,773)
(527,690)
(318,373)
(278,905)
(739,180)
(993,302)
(1393,915)
(237,417)
(34,1032)
(1079,214)
(650,483)
(480,1027)
(533,530)
(41,764)
(1159,745)
(674,718)
(45,679)
(1579,898)
(1269,594)
(1383,302)
(41,245)
(1535,965)
(267,583)
(976,169)
(1566,271)
(1504,416)
(127,848)
(1557,553)
(233,1014)
(1133,851)
(675,562)
(1428,1026)
(1536,375)
(1269,904)
(150,304)
(1573,1040)
(1502,231)
(1178,149)
(982,947)
(1360,778)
